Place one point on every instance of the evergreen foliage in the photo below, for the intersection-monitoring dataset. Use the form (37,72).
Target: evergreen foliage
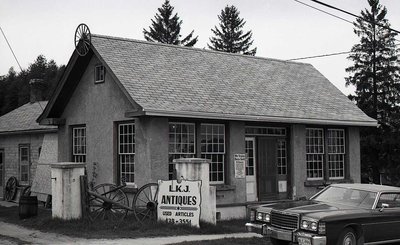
(15,88)
(166,28)
(375,75)
(229,36)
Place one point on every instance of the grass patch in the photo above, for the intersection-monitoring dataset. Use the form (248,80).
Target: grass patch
(128,228)
(230,241)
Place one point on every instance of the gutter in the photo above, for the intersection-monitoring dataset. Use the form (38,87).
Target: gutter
(29,131)
(236,117)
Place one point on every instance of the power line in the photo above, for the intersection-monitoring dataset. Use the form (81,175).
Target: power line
(338,17)
(15,57)
(323,11)
(354,15)
(319,56)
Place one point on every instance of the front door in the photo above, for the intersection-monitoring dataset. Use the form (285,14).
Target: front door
(251,169)
(267,172)
(1,172)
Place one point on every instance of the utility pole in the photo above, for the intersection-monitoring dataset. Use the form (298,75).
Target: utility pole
(374,64)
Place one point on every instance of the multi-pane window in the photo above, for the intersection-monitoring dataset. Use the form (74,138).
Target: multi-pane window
(181,143)
(265,131)
(99,72)
(126,152)
(315,153)
(281,157)
(213,148)
(336,153)
(250,163)
(24,163)
(79,144)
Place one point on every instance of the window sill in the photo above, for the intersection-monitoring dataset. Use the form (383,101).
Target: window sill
(222,187)
(322,183)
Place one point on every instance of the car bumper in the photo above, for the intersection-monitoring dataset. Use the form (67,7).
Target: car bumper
(301,238)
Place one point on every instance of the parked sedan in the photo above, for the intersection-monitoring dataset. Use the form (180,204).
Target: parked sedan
(339,214)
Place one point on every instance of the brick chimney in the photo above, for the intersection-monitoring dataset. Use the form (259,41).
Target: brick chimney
(37,87)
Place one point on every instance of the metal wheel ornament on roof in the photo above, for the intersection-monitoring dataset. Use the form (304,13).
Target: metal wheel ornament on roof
(83,39)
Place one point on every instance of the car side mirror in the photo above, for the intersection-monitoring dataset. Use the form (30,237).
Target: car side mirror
(383,206)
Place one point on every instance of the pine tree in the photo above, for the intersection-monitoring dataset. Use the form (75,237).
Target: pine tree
(229,36)
(375,75)
(166,29)
(375,72)
(15,88)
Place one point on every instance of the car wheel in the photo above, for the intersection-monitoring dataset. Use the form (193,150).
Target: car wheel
(278,242)
(347,237)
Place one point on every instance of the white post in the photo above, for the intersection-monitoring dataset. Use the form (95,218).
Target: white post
(66,192)
(198,169)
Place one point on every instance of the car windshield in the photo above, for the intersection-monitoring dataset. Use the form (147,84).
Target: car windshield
(347,196)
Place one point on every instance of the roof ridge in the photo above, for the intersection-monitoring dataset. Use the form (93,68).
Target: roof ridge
(198,49)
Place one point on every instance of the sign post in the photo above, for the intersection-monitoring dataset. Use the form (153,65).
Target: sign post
(179,202)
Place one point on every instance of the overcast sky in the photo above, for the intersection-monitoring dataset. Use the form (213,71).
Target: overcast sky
(282,29)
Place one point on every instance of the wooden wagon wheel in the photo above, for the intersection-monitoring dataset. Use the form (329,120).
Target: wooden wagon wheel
(11,188)
(145,203)
(83,39)
(26,191)
(108,210)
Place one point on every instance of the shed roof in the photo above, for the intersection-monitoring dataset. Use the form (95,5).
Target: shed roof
(170,80)
(23,119)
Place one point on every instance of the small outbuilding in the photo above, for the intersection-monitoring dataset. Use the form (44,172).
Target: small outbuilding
(21,143)
(128,108)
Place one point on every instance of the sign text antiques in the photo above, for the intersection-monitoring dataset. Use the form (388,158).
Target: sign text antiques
(179,203)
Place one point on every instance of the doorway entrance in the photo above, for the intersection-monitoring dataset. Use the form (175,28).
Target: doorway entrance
(267,174)
(266,168)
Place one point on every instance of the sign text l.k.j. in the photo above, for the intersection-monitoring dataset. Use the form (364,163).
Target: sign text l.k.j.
(179,203)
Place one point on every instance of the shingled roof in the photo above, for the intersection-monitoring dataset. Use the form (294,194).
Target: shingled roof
(175,81)
(179,81)
(23,119)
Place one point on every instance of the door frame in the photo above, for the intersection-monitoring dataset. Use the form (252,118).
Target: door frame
(255,167)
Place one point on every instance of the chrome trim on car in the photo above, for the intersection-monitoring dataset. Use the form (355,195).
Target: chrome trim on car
(277,220)
(315,239)
(280,234)
(257,228)
(383,242)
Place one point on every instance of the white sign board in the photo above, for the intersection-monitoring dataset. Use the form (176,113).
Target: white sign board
(240,166)
(179,203)
(282,185)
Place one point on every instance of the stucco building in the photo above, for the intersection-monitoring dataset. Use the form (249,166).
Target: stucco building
(128,108)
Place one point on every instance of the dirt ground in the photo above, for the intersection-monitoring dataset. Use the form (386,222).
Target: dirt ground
(13,234)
